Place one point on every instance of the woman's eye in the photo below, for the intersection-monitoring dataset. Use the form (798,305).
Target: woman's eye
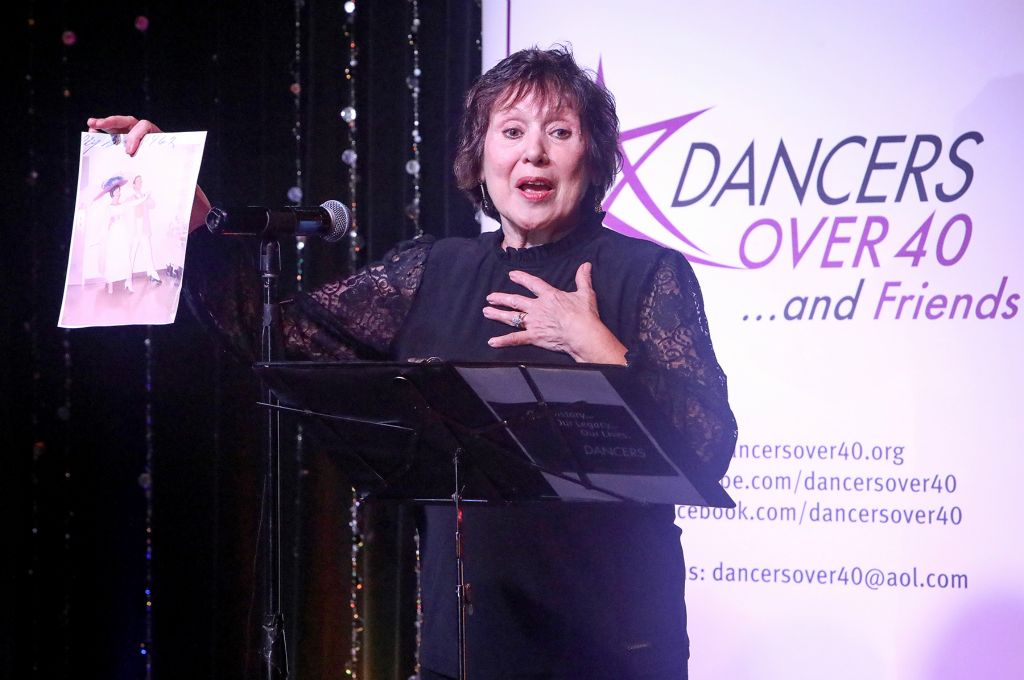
(512,133)
(561,133)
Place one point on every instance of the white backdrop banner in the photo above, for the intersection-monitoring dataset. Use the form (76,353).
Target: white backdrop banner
(845,179)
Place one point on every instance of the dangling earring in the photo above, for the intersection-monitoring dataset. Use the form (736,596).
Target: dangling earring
(597,205)
(483,198)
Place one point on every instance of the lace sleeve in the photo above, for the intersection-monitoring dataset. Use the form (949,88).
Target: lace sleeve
(352,318)
(676,361)
(358,317)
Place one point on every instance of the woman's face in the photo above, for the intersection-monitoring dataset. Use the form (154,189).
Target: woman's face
(535,169)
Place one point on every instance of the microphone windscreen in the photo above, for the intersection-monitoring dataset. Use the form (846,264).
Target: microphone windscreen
(341,217)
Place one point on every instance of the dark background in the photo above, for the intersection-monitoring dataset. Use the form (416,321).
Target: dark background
(86,412)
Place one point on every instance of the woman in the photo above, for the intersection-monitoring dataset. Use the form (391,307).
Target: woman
(117,258)
(566,591)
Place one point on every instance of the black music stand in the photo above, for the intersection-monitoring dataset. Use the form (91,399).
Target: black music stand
(493,433)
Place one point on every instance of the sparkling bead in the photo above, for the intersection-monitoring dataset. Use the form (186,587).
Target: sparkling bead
(412,211)
(412,167)
(295,194)
(349,157)
(348,114)
(141,23)
(69,38)
(350,7)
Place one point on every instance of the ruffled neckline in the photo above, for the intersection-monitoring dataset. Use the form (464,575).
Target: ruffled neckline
(537,254)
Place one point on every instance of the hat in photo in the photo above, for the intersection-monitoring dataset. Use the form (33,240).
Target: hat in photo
(110,184)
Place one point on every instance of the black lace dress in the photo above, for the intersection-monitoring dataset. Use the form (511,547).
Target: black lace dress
(589,591)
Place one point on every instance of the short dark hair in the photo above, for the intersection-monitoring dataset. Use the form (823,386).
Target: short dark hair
(553,75)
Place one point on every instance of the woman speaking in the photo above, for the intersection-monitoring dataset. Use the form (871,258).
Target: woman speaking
(560,591)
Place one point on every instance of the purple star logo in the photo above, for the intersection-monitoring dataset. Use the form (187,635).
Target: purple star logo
(630,179)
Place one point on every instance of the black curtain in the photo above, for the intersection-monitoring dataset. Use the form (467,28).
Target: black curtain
(73,403)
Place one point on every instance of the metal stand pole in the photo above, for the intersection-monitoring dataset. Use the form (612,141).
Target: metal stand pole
(462,590)
(275,653)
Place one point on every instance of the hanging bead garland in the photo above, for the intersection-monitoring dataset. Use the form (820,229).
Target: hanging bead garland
(419,599)
(31,326)
(68,38)
(412,166)
(414,169)
(146,482)
(350,158)
(146,476)
(348,115)
(355,589)
(296,192)
(300,263)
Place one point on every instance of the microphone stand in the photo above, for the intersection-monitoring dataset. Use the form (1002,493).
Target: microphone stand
(330,220)
(274,651)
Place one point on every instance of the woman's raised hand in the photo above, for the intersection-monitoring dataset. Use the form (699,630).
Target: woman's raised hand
(556,320)
(131,127)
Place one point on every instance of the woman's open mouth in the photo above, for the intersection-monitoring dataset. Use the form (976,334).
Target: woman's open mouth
(534,188)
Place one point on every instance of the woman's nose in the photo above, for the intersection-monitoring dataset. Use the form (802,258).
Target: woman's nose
(535,151)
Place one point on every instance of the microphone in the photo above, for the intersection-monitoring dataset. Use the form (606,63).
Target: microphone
(329,221)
